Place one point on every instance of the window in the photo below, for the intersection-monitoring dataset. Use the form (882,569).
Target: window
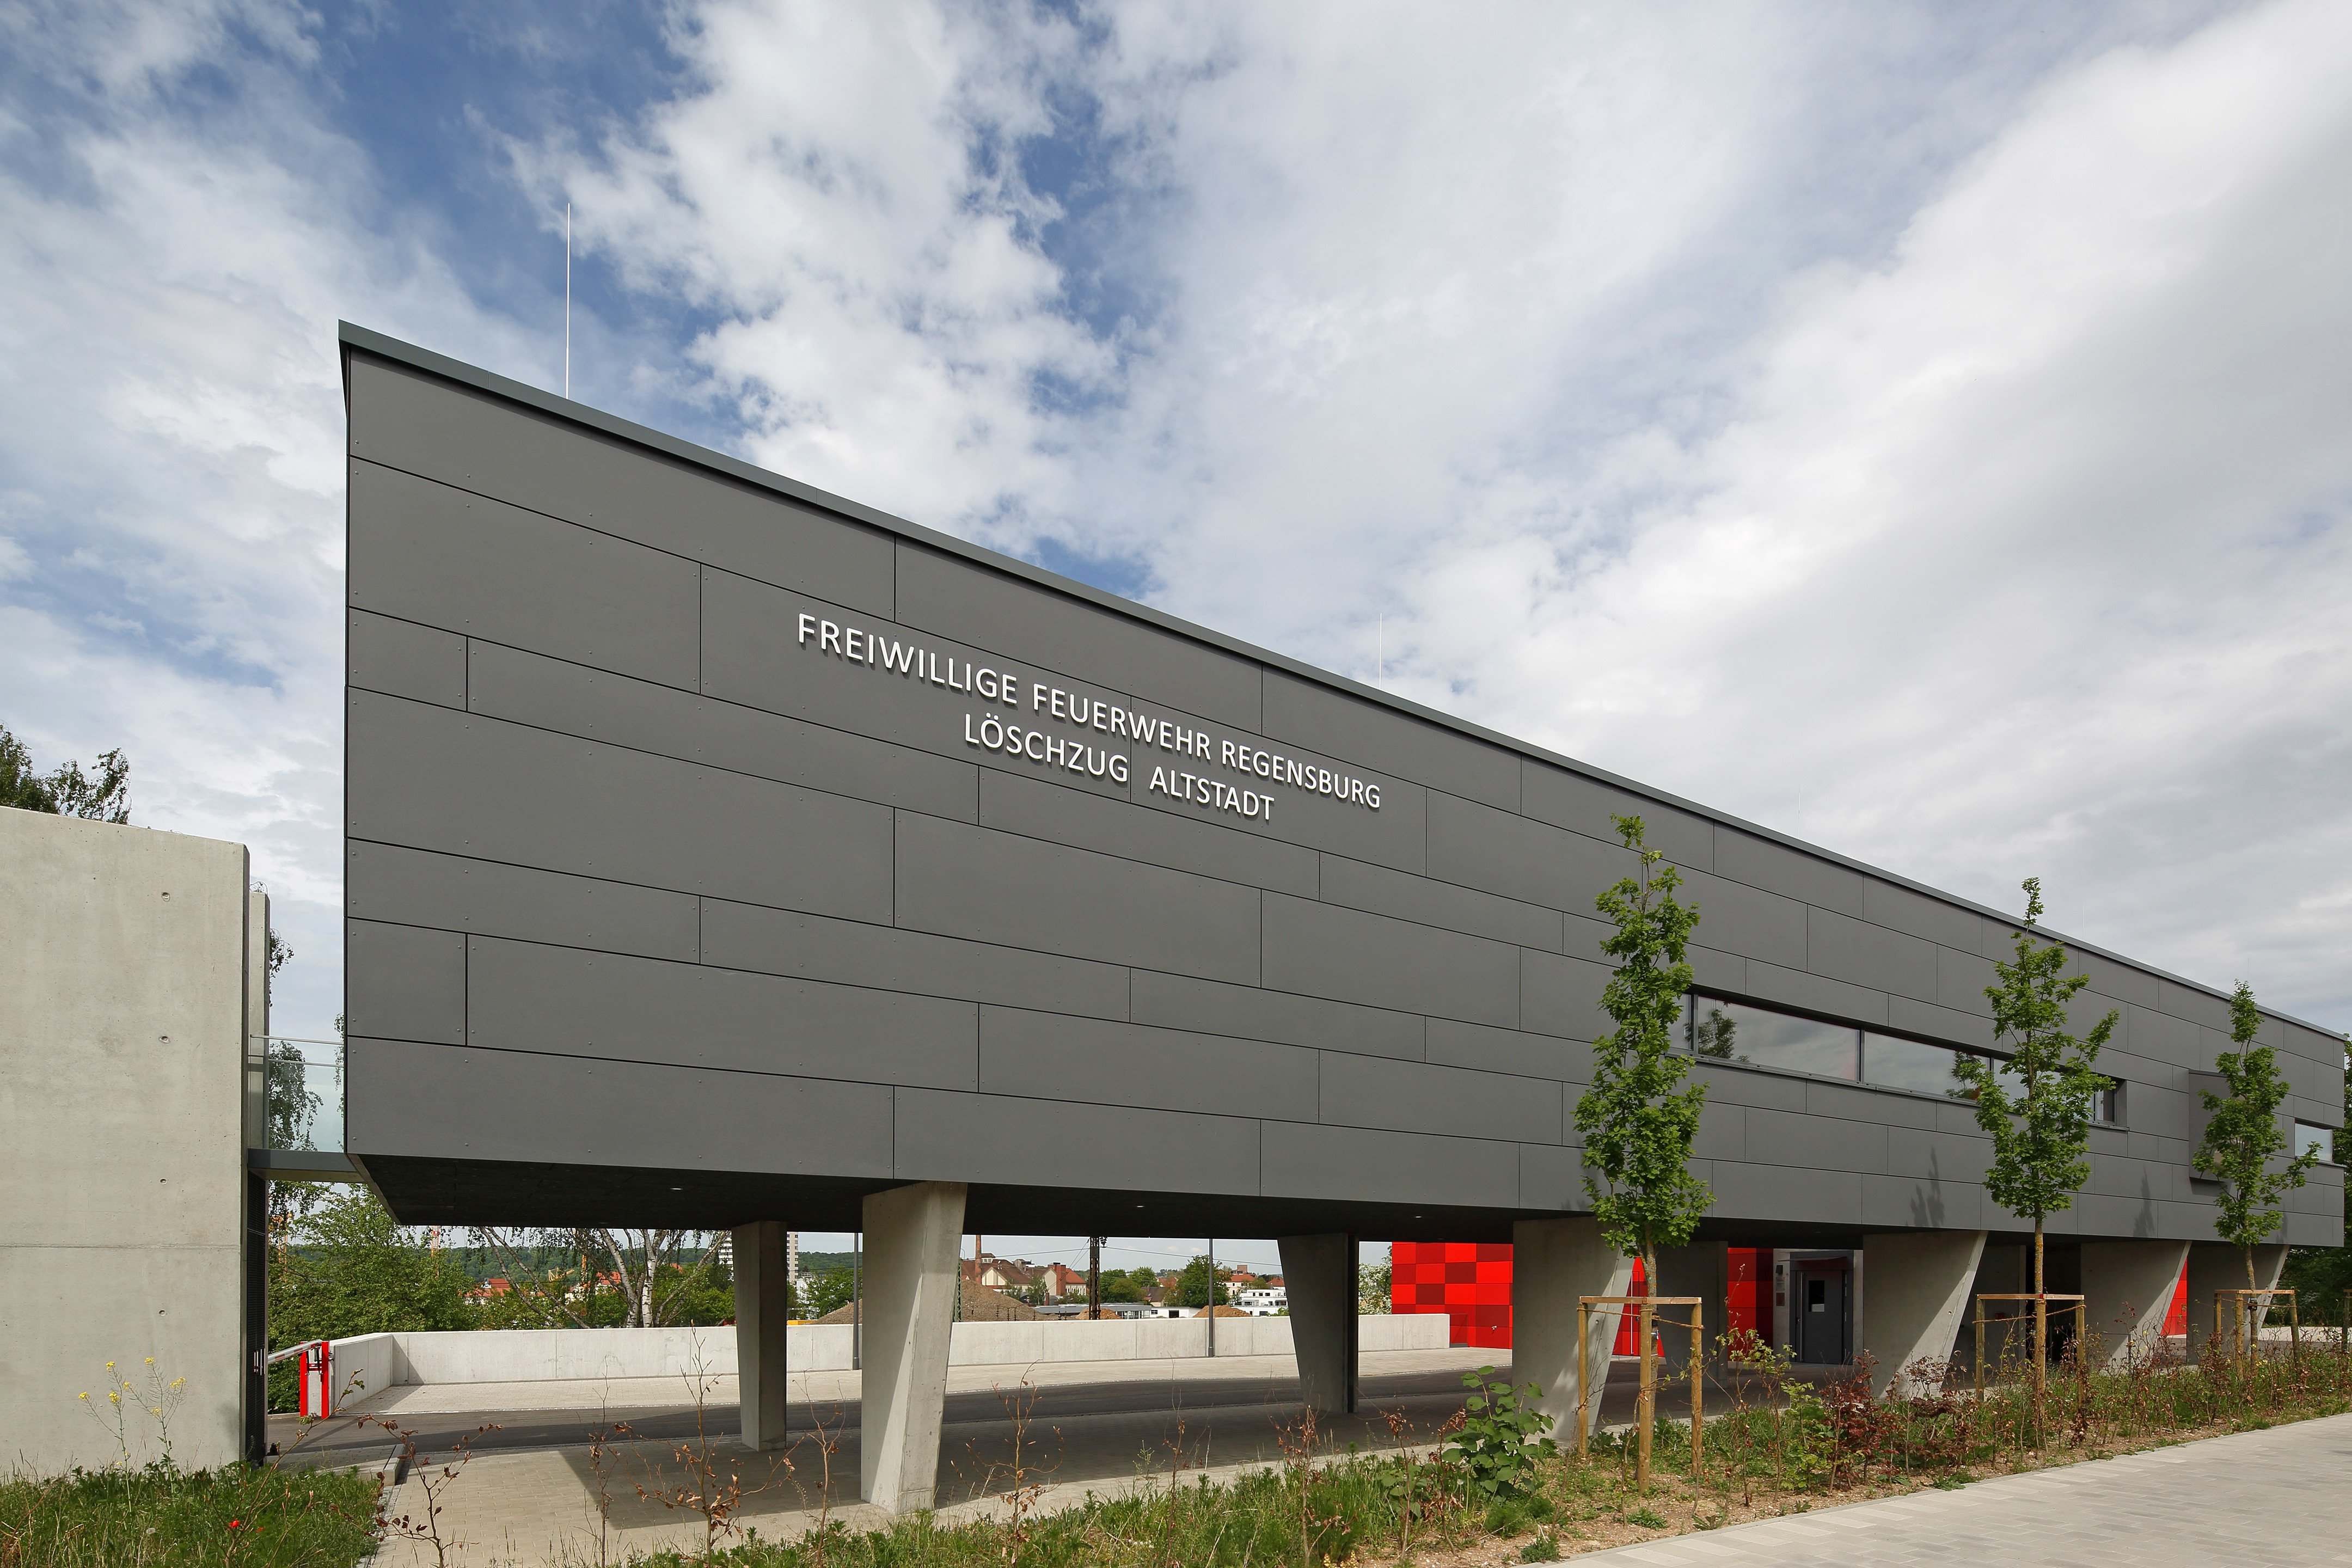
(1733,1032)
(2309,1137)
(1762,1037)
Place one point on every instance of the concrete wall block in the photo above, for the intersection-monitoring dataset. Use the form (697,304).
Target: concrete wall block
(1038,809)
(523,996)
(1903,1200)
(1917,1298)
(420,888)
(1749,1189)
(405,982)
(1419,1097)
(1947,1025)
(962,882)
(1891,1108)
(1378,737)
(1961,980)
(1181,1001)
(1587,805)
(446,1102)
(1348,957)
(1847,949)
(1378,889)
(404,659)
(1351,1164)
(571,699)
(1820,1142)
(2193,1002)
(430,779)
(407,419)
(1721,972)
(445,557)
(1554,1263)
(972,603)
(1045,1056)
(814,947)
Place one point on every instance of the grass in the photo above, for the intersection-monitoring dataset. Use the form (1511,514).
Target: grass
(161,1518)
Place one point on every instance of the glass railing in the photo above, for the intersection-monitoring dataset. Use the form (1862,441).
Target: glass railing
(295,1098)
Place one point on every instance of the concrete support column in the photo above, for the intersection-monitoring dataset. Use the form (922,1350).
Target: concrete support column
(1554,1262)
(1919,1284)
(1318,1274)
(1702,1271)
(763,1304)
(2127,1289)
(912,1236)
(2215,1266)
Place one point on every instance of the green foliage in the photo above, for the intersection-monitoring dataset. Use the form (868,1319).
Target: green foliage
(358,1271)
(1373,1282)
(265,1517)
(831,1290)
(2042,1132)
(1637,1120)
(102,795)
(2243,1136)
(1129,1284)
(1501,1438)
(1194,1283)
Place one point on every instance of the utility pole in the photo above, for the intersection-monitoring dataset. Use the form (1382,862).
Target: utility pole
(1212,1295)
(1094,1278)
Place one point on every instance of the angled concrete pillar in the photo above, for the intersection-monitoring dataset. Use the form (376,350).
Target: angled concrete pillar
(1318,1277)
(2127,1289)
(1553,1262)
(763,1305)
(2215,1266)
(1917,1298)
(1700,1270)
(912,1236)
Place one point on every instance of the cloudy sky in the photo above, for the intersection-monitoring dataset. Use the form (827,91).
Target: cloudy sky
(1923,430)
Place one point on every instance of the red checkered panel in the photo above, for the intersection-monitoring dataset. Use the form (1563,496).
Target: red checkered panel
(1470,1282)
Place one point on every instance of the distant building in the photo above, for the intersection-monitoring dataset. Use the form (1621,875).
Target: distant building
(1263,1300)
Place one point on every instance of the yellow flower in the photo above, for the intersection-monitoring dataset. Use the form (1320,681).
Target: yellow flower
(151,1361)
(85,1393)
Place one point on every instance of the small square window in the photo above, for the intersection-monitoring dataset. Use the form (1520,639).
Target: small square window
(2309,1137)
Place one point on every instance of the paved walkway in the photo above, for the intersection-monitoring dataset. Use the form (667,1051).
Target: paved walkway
(2280,1498)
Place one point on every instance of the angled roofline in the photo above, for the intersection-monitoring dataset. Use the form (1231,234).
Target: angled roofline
(352,336)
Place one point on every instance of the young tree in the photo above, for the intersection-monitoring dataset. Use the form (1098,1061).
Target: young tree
(1638,1118)
(1194,1285)
(102,795)
(2242,1137)
(2042,1133)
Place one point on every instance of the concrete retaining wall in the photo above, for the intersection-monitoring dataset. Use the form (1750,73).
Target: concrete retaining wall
(378,1362)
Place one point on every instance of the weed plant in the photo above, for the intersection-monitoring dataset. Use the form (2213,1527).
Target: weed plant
(161,1518)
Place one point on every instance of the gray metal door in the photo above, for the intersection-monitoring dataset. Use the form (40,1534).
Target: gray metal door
(1824,1309)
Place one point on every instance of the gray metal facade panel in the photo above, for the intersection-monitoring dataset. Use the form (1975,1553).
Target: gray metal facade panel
(445,557)
(454,1103)
(1425,1097)
(1036,809)
(1847,949)
(406,983)
(1320,950)
(1360,1164)
(418,887)
(428,426)
(576,699)
(1059,1143)
(1515,1051)
(400,657)
(1591,807)
(430,779)
(1343,726)
(678,827)
(1381,890)
(561,1001)
(1181,1001)
(1776,867)
(1501,852)
(1562,995)
(955,599)
(1045,1056)
(852,952)
(958,880)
